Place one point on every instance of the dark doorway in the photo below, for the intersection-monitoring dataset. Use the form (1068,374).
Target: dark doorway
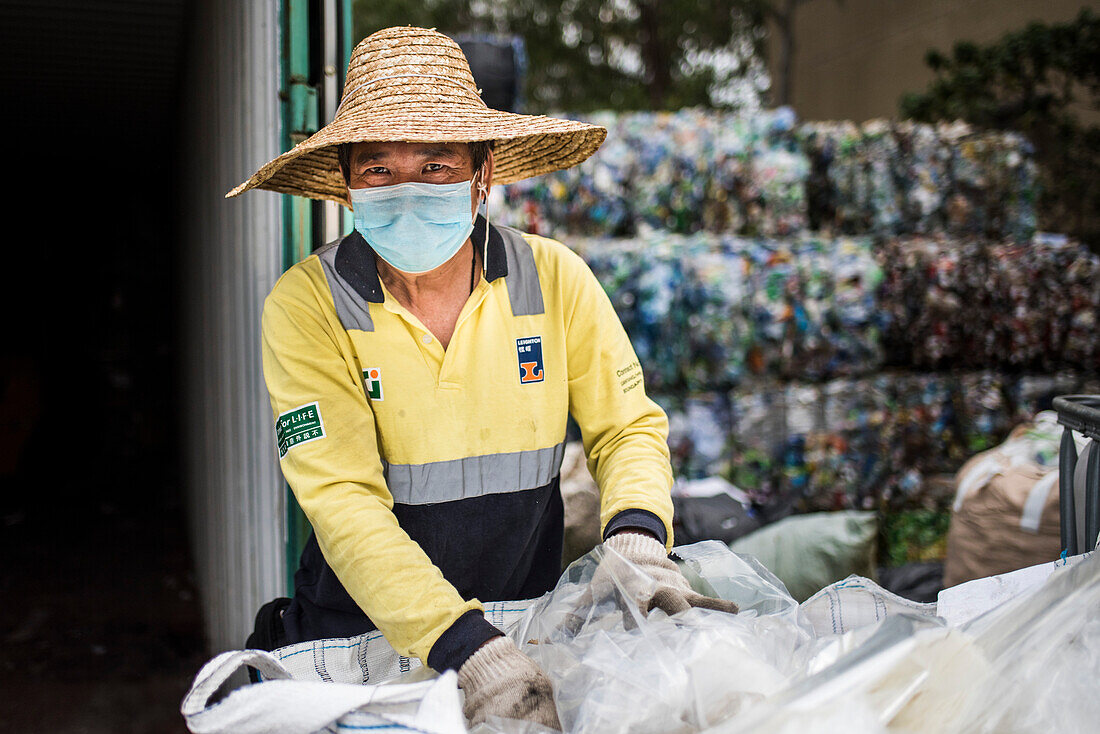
(100,629)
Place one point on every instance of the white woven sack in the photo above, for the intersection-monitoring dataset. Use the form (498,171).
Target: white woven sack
(854,603)
(369,658)
(281,705)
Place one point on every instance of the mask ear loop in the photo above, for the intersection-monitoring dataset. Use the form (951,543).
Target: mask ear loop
(484,191)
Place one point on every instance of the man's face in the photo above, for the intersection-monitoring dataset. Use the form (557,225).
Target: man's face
(385,164)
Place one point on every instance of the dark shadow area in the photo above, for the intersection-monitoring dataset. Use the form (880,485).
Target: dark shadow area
(100,629)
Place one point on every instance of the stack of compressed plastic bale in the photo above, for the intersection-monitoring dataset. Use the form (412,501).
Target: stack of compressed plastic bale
(866,443)
(707,311)
(680,172)
(768,272)
(765,175)
(710,313)
(978,303)
(893,178)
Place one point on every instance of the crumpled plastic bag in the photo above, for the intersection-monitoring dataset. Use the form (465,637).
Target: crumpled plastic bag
(1027,665)
(614,669)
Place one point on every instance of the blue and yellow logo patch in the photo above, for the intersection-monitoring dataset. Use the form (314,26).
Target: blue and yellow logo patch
(529,352)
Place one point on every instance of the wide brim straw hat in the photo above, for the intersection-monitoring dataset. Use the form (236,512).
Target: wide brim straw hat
(414,85)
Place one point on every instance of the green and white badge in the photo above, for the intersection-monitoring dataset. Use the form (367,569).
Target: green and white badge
(300,425)
(372,382)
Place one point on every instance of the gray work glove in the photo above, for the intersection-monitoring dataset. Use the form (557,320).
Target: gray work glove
(672,593)
(499,680)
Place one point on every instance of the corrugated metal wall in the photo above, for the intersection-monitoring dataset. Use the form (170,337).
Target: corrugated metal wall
(231,258)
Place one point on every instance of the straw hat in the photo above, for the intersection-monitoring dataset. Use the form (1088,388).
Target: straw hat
(415,85)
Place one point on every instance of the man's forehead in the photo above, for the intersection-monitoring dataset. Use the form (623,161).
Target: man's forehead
(367,151)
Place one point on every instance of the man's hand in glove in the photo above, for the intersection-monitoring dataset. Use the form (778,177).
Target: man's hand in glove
(672,593)
(499,680)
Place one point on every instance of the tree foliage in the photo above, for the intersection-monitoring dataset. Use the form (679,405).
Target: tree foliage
(1043,81)
(586,55)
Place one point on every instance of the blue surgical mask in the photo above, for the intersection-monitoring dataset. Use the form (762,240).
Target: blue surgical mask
(415,227)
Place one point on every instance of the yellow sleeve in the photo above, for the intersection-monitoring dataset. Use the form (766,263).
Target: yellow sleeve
(338,478)
(625,433)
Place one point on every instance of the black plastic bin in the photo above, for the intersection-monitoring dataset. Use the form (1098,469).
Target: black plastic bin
(1079,413)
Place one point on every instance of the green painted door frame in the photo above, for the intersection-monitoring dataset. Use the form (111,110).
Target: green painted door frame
(304,28)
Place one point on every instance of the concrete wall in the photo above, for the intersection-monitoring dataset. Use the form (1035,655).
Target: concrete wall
(231,256)
(854,59)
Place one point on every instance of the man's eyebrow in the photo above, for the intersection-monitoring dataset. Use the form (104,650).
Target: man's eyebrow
(368,156)
(440,152)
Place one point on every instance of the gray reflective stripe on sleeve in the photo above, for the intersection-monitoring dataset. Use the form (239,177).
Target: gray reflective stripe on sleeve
(473,476)
(522,280)
(353,311)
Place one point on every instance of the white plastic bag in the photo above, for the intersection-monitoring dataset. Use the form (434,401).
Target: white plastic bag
(282,705)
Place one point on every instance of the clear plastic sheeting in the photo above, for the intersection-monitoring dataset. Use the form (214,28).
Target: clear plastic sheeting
(906,676)
(1027,665)
(713,570)
(614,670)
(1043,654)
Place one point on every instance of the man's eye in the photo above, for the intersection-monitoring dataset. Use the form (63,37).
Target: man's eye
(376,170)
(433,167)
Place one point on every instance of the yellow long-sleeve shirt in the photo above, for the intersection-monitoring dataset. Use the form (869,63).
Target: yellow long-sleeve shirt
(430,476)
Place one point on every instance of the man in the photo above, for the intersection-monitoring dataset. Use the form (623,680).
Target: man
(421,372)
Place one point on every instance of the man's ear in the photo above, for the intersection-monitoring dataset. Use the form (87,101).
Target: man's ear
(486,184)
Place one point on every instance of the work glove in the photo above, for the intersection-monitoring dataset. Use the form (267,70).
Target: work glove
(671,594)
(499,680)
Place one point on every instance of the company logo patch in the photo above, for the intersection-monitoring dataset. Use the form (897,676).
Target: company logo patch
(300,425)
(372,379)
(529,352)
